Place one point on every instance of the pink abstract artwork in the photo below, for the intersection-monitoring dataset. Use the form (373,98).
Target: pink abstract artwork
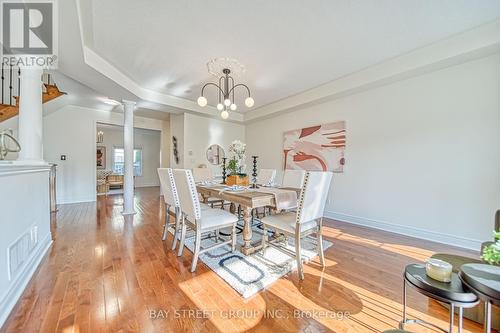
(316,148)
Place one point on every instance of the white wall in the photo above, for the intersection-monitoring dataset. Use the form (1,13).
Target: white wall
(166,140)
(177,131)
(422,157)
(25,215)
(196,133)
(147,140)
(202,132)
(71,131)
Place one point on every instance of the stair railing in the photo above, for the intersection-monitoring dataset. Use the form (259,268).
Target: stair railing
(10,85)
(9,89)
(47,79)
(3,80)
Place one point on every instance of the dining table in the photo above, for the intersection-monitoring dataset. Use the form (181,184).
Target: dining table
(247,199)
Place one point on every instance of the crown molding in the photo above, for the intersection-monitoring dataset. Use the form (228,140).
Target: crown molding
(473,44)
(98,63)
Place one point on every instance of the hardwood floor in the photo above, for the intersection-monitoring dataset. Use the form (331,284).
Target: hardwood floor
(105,273)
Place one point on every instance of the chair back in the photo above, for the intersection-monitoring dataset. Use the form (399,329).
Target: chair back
(266,176)
(168,187)
(202,174)
(188,196)
(313,196)
(294,178)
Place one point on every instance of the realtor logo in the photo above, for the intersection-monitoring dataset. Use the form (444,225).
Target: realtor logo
(28,32)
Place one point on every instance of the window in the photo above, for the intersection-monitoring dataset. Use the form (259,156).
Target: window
(119,161)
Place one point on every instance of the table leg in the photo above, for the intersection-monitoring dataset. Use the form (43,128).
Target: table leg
(204,198)
(460,320)
(487,316)
(452,316)
(403,322)
(404,300)
(247,248)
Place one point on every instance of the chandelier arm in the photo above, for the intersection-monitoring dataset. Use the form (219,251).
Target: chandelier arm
(220,85)
(232,87)
(210,84)
(241,85)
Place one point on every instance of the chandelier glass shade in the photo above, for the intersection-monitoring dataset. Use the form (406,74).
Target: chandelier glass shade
(226,92)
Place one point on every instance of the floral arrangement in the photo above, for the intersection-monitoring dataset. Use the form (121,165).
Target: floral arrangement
(236,164)
(491,253)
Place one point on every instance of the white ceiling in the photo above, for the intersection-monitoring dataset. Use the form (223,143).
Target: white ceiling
(81,95)
(287,46)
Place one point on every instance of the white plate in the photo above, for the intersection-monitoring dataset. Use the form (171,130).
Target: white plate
(236,189)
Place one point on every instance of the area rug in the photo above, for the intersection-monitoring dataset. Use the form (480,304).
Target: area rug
(250,274)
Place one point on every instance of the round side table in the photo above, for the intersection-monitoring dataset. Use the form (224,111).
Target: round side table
(451,293)
(484,281)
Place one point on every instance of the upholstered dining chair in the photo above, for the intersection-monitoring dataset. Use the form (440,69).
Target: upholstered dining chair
(206,174)
(171,199)
(293,178)
(309,216)
(202,174)
(198,219)
(266,177)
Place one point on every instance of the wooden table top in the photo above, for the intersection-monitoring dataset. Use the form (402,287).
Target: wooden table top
(249,198)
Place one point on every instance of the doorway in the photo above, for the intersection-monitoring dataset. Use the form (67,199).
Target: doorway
(110,158)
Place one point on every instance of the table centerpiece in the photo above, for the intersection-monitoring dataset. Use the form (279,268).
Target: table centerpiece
(236,165)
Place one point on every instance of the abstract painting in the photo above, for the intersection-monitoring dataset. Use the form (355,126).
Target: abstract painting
(101,157)
(316,148)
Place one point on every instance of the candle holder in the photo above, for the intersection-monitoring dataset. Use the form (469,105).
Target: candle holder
(254,174)
(224,159)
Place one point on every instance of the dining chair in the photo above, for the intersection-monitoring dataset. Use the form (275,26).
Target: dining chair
(266,177)
(171,199)
(202,174)
(307,220)
(198,219)
(293,178)
(206,174)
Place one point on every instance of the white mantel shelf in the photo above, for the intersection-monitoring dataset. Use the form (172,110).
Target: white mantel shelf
(8,168)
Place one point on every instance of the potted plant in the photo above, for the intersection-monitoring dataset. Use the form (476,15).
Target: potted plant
(236,164)
(491,252)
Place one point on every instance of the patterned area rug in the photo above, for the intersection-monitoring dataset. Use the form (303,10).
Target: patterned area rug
(250,274)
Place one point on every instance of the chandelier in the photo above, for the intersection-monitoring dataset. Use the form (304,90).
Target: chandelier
(226,87)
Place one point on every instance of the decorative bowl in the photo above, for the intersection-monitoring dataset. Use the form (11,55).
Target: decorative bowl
(438,270)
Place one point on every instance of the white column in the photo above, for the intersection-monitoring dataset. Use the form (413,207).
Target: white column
(30,115)
(128,145)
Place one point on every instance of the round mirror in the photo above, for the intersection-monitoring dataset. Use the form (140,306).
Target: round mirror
(215,154)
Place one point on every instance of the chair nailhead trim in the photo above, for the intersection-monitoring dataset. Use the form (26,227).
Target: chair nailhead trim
(194,194)
(173,187)
(300,204)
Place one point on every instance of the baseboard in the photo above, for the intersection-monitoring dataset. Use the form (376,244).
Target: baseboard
(147,185)
(16,289)
(75,201)
(462,242)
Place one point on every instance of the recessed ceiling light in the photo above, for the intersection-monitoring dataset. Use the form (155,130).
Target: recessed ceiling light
(109,101)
